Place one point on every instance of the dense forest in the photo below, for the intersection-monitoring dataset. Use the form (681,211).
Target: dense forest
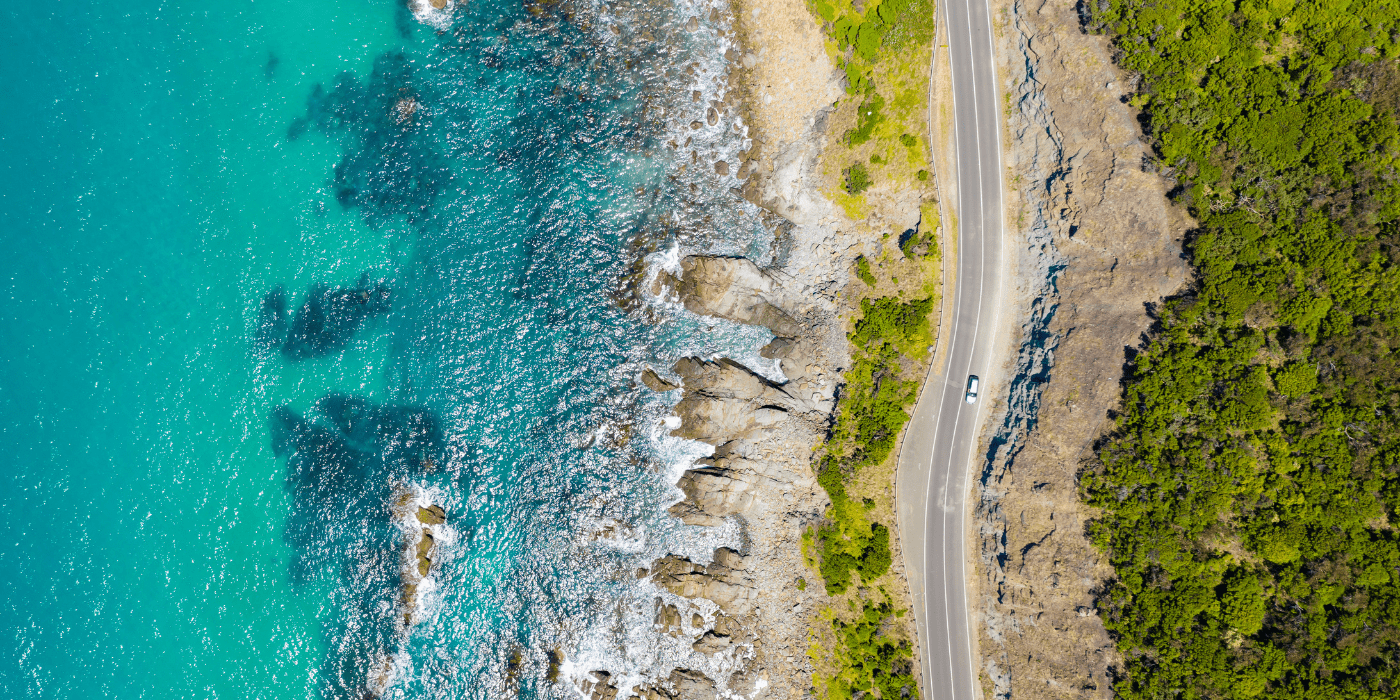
(1247,495)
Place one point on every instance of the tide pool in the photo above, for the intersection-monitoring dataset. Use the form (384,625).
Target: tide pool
(454,213)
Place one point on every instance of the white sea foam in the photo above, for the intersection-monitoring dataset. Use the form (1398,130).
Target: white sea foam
(440,19)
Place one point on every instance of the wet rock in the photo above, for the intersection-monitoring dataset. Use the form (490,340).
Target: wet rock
(721,168)
(777,348)
(599,686)
(725,581)
(432,515)
(731,288)
(668,619)
(711,643)
(556,659)
(692,685)
(425,546)
(653,381)
(405,108)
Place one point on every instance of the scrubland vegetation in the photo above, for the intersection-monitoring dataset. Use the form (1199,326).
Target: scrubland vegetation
(866,650)
(883,48)
(1247,496)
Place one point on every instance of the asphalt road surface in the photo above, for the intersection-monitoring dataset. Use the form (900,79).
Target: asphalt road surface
(954,424)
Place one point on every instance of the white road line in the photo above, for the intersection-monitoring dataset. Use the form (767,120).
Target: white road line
(981,286)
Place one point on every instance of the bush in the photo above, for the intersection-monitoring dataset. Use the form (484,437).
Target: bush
(857,179)
(863,271)
(868,116)
(869,662)
(903,324)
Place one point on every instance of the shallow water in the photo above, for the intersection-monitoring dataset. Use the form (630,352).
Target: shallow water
(268,263)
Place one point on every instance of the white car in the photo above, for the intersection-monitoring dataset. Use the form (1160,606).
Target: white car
(971,396)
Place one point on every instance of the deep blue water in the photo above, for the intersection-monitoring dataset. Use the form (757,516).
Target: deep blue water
(270,265)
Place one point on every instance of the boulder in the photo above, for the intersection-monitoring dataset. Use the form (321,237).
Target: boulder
(599,686)
(692,685)
(711,643)
(727,626)
(653,381)
(668,619)
(725,581)
(731,288)
(725,400)
(712,494)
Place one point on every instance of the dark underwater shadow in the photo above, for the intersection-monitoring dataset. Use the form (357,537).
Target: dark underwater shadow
(389,166)
(343,459)
(326,321)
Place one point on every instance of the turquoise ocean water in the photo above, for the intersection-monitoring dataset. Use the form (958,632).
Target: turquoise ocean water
(264,263)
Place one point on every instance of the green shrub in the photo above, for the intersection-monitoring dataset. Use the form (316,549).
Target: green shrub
(868,116)
(1264,411)
(863,271)
(869,662)
(857,179)
(903,324)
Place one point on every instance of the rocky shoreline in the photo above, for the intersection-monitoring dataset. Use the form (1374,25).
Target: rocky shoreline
(1097,242)
(759,603)
(764,434)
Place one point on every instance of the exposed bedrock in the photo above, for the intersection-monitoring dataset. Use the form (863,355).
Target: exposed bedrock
(731,288)
(725,400)
(725,581)
(1099,244)
(763,432)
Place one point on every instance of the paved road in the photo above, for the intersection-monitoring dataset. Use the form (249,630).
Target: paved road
(944,431)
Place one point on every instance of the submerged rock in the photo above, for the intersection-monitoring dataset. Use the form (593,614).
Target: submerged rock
(326,321)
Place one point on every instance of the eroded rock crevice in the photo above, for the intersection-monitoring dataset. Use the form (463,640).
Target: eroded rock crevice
(1098,244)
